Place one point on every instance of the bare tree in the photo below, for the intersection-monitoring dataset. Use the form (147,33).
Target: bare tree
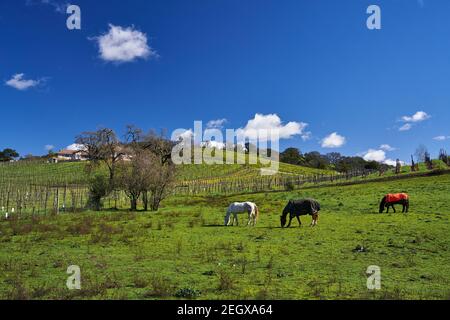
(102,146)
(134,176)
(150,172)
(421,152)
(159,145)
(160,185)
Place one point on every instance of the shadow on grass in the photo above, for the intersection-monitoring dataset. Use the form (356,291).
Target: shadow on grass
(214,226)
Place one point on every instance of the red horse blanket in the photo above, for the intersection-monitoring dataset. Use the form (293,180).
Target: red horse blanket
(396,197)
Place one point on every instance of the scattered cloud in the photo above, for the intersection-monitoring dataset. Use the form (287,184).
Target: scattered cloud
(271,122)
(75,147)
(60,7)
(405,127)
(393,163)
(441,138)
(122,44)
(333,140)
(49,147)
(216,124)
(306,135)
(419,116)
(375,155)
(386,147)
(19,82)
(379,156)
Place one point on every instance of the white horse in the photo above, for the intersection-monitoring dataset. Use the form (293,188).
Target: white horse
(242,207)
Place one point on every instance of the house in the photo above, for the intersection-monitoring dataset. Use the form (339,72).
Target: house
(71,155)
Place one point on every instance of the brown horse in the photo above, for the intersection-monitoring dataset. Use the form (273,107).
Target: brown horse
(390,200)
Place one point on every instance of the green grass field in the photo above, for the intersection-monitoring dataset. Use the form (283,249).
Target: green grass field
(183,251)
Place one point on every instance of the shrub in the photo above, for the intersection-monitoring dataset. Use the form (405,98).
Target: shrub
(225,281)
(187,293)
(98,189)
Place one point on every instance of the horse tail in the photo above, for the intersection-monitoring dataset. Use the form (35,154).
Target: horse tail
(256,213)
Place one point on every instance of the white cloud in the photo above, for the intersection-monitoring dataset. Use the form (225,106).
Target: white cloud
(75,147)
(393,163)
(333,140)
(419,116)
(379,156)
(216,124)
(387,147)
(405,127)
(124,45)
(49,147)
(306,136)
(375,155)
(18,82)
(261,124)
(441,138)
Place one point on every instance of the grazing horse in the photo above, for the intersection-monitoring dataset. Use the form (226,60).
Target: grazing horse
(242,207)
(297,208)
(390,200)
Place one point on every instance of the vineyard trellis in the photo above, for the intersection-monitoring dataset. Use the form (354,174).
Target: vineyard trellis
(28,191)
(265,183)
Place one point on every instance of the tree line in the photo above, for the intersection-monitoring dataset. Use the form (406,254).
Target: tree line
(341,163)
(332,160)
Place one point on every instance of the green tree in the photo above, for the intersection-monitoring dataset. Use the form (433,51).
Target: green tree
(8,154)
(291,156)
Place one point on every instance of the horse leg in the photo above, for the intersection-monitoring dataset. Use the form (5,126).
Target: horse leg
(315,217)
(393,208)
(387,209)
(237,221)
(299,222)
(289,224)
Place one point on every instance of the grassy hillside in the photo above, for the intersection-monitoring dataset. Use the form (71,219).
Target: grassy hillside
(184,251)
(74,172)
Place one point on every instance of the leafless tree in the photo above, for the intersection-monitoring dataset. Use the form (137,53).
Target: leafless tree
(102,146)
(134,176)
(421,152)
(159,145)
(160,185)
(150,172)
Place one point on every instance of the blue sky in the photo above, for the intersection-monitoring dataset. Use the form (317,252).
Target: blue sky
(312,62)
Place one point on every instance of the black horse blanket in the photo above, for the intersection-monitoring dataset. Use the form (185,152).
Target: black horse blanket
(304,207)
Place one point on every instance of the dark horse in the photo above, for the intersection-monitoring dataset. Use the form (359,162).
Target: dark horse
(297,208)
(390,200)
